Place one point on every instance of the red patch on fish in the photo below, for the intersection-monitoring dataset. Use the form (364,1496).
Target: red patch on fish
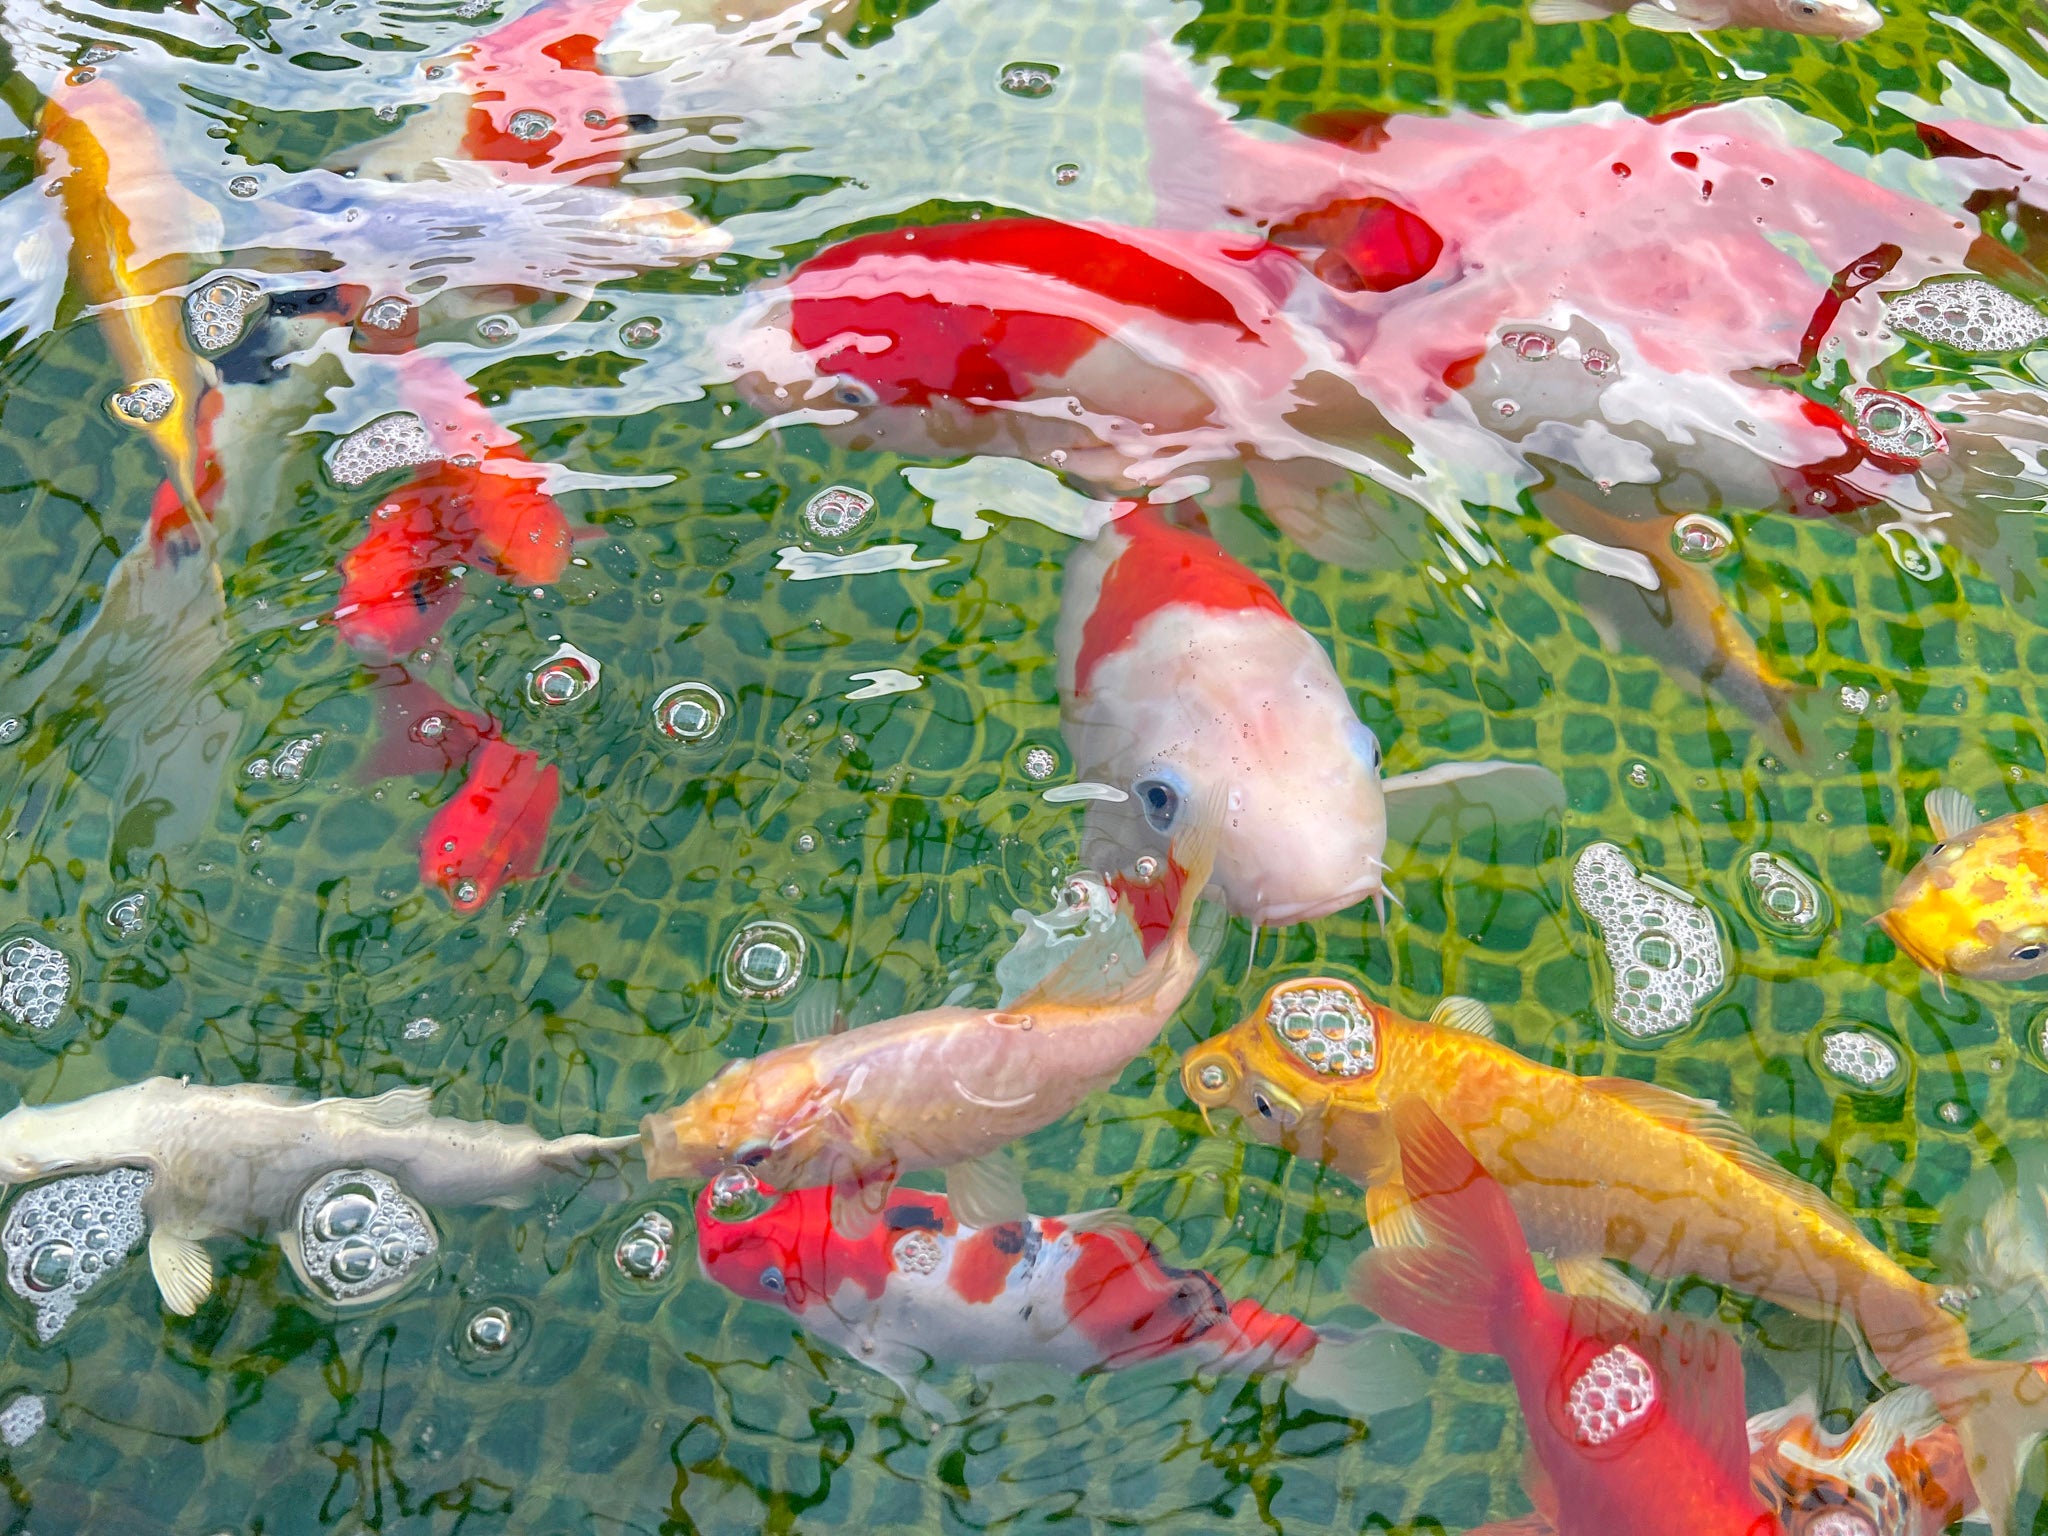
(172,538)
(891,298)
(1162,566)
(397,584)
(543,65)
(793,1236)
(420,732)
(1151,903)
(1131,1304)
(516,523)
(495,827)
(983,1259)
(1368,244)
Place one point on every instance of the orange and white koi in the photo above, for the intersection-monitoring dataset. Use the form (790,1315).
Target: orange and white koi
(1897,1471)
(1605,1168)
(1976,905)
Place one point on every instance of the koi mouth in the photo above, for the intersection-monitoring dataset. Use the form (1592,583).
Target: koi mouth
(1907,946)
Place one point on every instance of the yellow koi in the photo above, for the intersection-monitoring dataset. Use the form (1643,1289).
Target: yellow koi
(1977,905)
(1603,1168)
(942,1088)
(131,227)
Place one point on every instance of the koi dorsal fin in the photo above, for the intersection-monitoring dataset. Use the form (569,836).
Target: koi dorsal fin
(1468,1015)
(1950,813)
(1710,1125)
(398,1107)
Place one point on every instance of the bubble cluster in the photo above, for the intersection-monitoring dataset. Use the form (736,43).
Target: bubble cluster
(1530,346)
(1327,1028)
(646,1249)
(387,314)
(422,1028)
(1892,425)
(35,982)
(564,677)
(359,1236)
(530,125)
(1842,1520)
(145,404)
(837,511)
(691,712)
(1065,174)
(1663,947)
(1030,81)
(63,1237)
(1967,314)
(764,960)
(290,762)
(916,1253)
(1854,699)
(1616,1391)
(390,442)
(1700,538)
(1040,762)
(22,1420)
(219,312)
(1860,1058)
(1785,897)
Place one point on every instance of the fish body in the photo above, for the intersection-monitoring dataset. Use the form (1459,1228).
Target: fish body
(494,828)
(941,1088)
(1603,1168)
(1182,676)
(1897,1471)
(399,583)
(1635,1421)
(233,1161)
(1976,905)
(919,1287)
(1839,19)
(133,229)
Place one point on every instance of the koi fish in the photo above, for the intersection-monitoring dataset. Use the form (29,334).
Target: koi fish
(399,584)
(1604,1168)
(947,1087)
(132,225)
(921,1289)
(1897,1471)
(494,828)
(1182,676)
(1842,20)
(233,1161)
(1976,905)
(1635,1421)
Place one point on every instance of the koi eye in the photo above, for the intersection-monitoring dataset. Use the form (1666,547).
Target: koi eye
(1159,800)
(854,393)
(1261,1104)
(752,1154)
(771,1280)
(2030,951)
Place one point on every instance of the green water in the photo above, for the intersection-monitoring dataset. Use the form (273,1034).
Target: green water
(289,940)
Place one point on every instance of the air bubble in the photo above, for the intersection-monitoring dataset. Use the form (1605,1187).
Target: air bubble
(387,314)
(530,125)
(646,1249)
(1967,315)
(837,511)
(146,403)
(1030,81)
(219,312)
(35,982)
(1700,538)
(397,441)
(1040,763)
(641,333)
(496,330)
(244,186)
(126,914)
(1910,551)
(358,1237)
(1891,425)
(289,762)
(1066,174)
(1854,699)
(1860,1058)
(564,677)
(103,1211)
(1663,948)
(1597,362)
(1530,346)
(11,730)
(692,712)
(1785,898)
(764,960)
(490,1331)
(736,1195)
(422,1028)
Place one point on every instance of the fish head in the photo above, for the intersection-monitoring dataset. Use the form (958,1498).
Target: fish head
(1826,18)
(44,1141)
(764,1115)
(759,1253)
(1281,1067)
(1972,908)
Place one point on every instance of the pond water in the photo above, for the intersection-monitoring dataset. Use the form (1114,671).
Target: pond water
(535,547)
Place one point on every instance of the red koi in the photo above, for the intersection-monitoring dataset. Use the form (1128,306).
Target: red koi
(1635,1421)
(399,584)
(540,107)
(494,827)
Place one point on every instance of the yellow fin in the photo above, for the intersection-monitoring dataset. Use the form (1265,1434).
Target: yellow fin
(1391,1216)
(182,1269)
(1467,1015)
(1710,1125)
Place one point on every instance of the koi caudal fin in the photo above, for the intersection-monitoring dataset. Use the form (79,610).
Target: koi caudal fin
(2000,1413)
(1470,1282)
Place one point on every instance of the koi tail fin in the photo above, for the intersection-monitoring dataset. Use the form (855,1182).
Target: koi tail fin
(2000,1414)
(1470,1280)
(1365,1373)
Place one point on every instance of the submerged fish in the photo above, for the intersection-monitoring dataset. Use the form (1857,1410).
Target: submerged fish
(1635,1421)
(1976,905)
(233,1161)
(921,1289)
(1808,18)
(1604,1168)
(493,828)
(944,1088)
(1897,1471)
(1183,677)
(401,580)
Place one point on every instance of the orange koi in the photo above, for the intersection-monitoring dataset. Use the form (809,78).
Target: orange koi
(1604,1168)
(1976,905)
(494,828)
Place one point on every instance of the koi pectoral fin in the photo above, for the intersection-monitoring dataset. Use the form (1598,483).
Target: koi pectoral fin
(986,1192)
(860,1193)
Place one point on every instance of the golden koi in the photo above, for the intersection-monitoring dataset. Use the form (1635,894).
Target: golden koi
(1977,905)
(942,1088)
(131,228)
(1603,1168)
